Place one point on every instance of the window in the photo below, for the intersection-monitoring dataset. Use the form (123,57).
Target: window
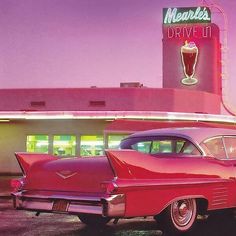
(37,143)
(64,145)
(215,147)
(168,146)
(142,146)
(230,145)
(180,145)
(161,146)
(91,145)
(174,146)
(157,145)
(114,140)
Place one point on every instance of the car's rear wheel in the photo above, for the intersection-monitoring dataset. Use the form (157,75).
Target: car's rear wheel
(179,216)
(93,220)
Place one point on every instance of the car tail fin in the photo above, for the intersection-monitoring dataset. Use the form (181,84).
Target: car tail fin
(26,160)
(128,163)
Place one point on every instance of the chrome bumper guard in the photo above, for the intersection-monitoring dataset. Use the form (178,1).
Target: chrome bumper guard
(112,206)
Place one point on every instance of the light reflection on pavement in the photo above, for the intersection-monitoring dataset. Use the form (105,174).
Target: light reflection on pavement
(24,223)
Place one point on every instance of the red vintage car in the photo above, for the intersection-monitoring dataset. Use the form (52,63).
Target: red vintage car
(171,174)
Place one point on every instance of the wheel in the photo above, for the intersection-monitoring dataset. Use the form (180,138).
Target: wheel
(93,220)
(179,217)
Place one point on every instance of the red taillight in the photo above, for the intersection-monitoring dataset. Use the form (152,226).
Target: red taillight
(17,184)
(109,187)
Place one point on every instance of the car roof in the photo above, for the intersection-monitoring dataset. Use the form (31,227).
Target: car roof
(197,134)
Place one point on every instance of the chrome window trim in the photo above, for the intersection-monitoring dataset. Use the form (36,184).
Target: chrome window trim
(226,153)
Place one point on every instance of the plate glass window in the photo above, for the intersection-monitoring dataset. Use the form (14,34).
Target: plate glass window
(114,140)
(37,143)
(64,145)
(91,145)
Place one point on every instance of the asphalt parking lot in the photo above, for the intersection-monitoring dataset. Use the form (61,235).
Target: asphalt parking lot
(23,223)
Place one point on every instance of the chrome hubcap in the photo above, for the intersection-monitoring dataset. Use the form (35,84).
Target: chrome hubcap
(182,212)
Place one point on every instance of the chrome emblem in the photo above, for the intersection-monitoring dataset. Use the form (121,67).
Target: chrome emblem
(65,174)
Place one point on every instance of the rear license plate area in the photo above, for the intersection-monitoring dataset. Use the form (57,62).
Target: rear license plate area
(60,205)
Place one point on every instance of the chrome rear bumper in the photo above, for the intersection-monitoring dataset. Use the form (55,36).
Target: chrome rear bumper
(112,206)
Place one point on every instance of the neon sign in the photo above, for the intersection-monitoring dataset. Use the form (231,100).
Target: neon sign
(186,15)
(189,54)
(190,31)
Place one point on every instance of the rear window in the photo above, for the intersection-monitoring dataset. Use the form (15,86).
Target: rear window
(230,145)
(159,145)
(215,147)
(222,147)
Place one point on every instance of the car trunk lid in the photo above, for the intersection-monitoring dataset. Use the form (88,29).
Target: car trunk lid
(50,173)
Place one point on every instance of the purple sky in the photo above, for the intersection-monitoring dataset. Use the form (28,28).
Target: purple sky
(80,43)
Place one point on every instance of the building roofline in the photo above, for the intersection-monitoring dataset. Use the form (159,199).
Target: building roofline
(111,115)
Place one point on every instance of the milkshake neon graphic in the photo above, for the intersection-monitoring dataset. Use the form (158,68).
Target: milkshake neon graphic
(189,55)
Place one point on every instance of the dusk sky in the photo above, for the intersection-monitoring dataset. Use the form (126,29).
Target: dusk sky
(83,43)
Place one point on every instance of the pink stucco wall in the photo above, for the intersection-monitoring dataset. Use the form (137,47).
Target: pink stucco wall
(109,99)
